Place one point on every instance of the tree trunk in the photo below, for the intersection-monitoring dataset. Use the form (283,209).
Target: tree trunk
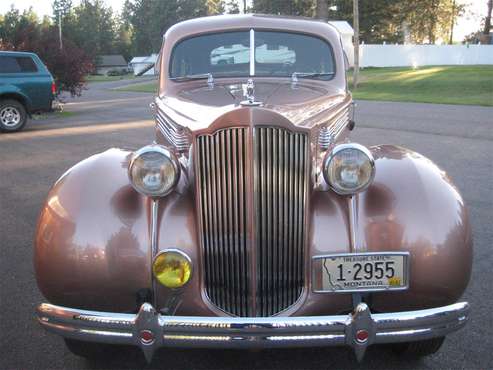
(433,22)
(356,43)
(452,22)
(322,10)
(487,20)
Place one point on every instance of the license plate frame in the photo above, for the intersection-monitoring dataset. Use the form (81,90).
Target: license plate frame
(319,270)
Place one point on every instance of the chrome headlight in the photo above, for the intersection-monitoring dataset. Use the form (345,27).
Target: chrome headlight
(349,168)
(154,171)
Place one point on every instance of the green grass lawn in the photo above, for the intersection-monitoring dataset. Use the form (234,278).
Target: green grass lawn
(104,78)
(55,114)
(471,85)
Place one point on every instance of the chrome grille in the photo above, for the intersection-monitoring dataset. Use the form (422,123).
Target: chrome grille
(221,173)
(264,274)
(280,198)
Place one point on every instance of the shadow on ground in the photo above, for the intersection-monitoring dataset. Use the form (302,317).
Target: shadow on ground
(312,358)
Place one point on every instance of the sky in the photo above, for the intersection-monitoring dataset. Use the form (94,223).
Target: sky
(476,9)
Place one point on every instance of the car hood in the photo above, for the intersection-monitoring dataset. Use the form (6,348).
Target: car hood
(197,106)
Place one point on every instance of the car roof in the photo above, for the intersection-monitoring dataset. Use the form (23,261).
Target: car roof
(17,53)
(248,21)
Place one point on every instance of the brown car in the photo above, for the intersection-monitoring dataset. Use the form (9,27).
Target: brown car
(253,221)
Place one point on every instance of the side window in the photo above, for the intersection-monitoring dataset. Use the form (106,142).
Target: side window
(11,64)
(27,64)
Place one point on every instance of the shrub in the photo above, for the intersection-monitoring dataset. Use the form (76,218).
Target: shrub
(68,66)
(116,72)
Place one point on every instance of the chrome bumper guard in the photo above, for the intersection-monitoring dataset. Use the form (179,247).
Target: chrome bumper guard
(150,330)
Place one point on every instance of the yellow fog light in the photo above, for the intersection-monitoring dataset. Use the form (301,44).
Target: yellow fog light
(172,268)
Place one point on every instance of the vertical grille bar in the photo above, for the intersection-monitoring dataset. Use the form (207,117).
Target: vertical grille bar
(221,171)
(280,172)
(279,169)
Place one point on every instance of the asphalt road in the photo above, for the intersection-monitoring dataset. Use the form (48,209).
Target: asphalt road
(458,138)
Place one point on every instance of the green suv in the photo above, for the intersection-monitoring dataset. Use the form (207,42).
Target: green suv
(26,87)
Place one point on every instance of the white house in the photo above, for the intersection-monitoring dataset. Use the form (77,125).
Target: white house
(347,34)
(111,63)
(140,63)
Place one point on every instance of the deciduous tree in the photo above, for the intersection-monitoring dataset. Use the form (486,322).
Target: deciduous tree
(379,21)
(215,7)
(284,7)
(232,7)
(150,20)
(92,27)
(430,21)
(24,32)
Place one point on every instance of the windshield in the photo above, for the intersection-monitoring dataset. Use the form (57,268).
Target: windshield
(276,54)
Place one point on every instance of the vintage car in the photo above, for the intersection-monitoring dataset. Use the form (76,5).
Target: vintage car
(253,221)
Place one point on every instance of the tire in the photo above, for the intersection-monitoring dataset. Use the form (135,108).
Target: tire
(93,351)
(13,115)
(418,349)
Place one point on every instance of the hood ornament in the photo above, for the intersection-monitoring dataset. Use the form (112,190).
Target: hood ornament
(210,81)
(249,94)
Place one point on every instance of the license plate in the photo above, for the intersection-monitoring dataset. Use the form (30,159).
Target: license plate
(365,272)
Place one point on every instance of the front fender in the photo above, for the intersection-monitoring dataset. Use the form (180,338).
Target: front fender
(92,239)
(412,206)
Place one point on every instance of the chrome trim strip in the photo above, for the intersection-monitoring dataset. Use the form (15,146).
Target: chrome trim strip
(154,243)
(353,224)
(252,52)
(176,135)
(340,124)
(252,332)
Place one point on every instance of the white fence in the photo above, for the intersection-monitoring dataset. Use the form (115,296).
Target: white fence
(423,55)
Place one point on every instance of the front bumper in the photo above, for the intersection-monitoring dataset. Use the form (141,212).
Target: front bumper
(150,330)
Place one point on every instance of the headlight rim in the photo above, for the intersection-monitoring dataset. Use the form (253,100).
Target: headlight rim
(181,253)
(338,148)
(162,150)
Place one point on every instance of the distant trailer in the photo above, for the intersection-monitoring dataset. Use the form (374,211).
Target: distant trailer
(139,64)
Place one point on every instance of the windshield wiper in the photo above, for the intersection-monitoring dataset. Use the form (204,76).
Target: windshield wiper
(295,75)
(199,76)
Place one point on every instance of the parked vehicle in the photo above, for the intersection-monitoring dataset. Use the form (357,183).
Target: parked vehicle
(26,87)
(253,220)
